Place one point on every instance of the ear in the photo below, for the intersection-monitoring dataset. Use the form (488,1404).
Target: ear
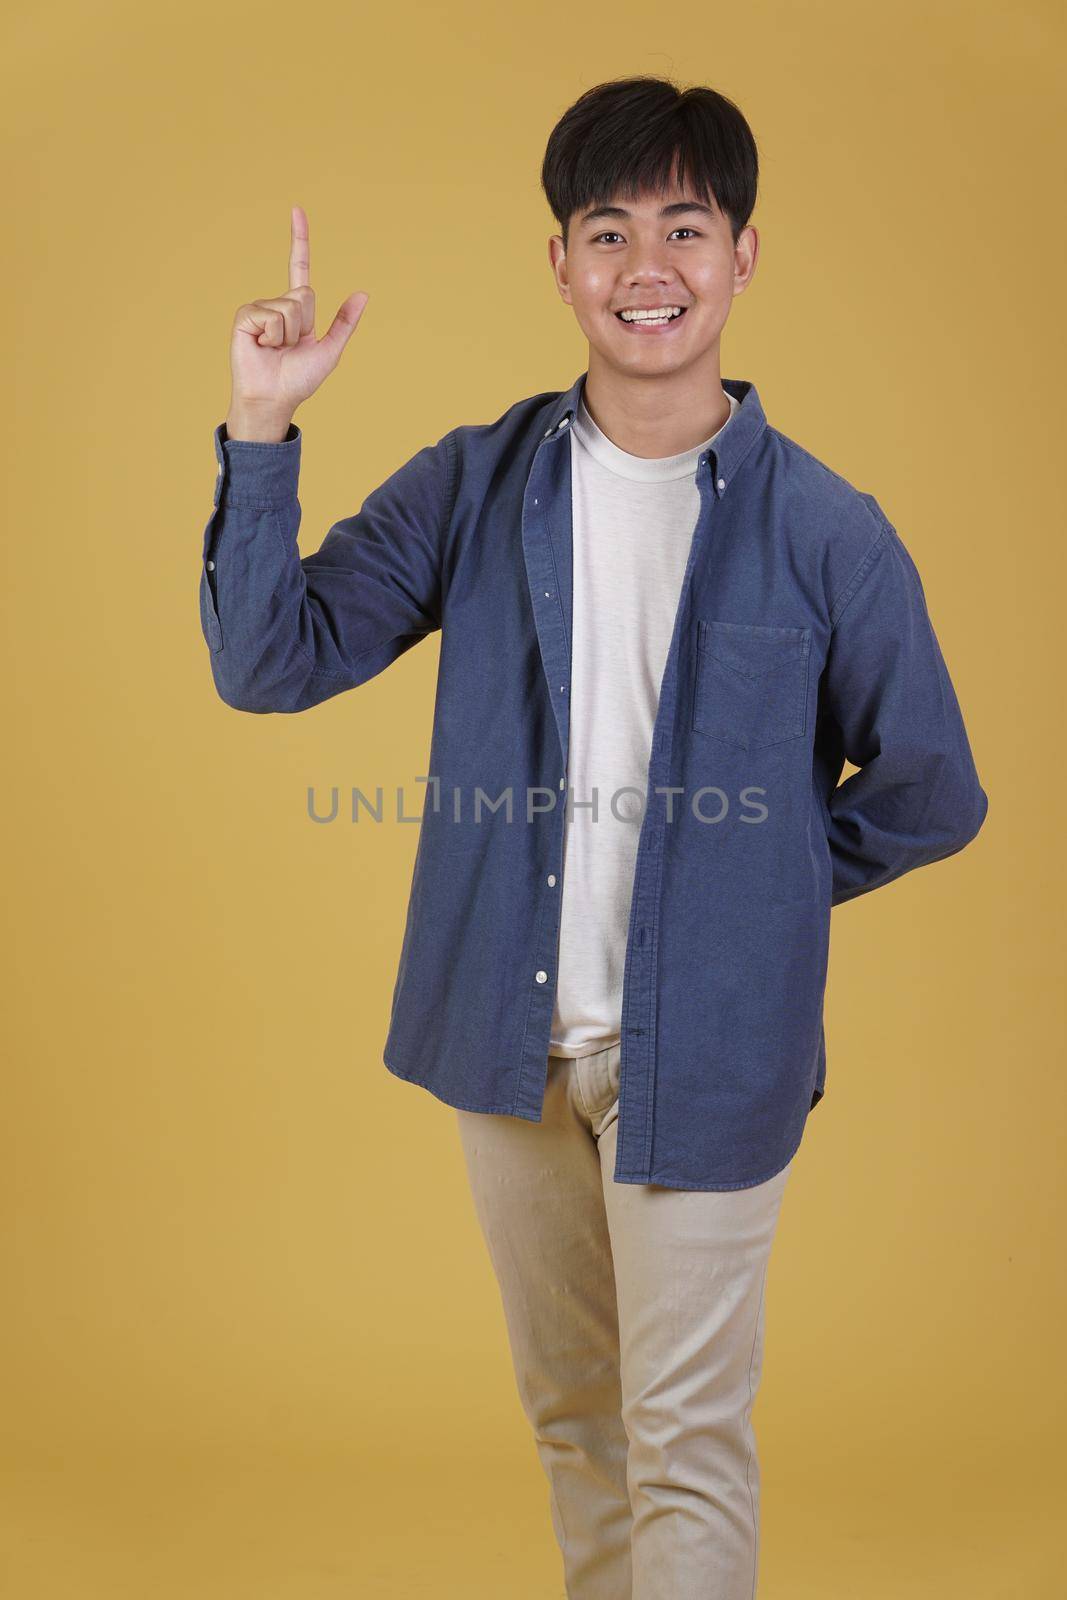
(557,256)
(746,254)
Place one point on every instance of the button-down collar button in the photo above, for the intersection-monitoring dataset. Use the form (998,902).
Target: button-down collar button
(563,783)
(722,483)
(542,976)
(548,594)
(210,565)
(552,880)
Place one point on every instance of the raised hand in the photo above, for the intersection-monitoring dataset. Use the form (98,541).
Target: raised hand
(276,362)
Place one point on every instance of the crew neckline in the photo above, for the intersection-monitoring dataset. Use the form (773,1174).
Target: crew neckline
(642,469)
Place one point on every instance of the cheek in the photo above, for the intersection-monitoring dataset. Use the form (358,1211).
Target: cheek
(715,284)
(591,289)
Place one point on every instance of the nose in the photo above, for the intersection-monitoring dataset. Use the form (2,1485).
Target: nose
(647,263)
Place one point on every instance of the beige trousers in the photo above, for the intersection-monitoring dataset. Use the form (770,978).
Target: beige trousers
(635,1317)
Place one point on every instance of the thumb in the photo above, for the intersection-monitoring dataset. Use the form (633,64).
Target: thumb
(344,323)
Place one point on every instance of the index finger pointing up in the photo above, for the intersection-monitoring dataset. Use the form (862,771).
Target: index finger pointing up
(299,250)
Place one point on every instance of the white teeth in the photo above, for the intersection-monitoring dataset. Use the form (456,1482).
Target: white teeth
(660,314)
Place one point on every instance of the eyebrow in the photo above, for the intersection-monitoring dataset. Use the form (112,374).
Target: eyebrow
(675,209)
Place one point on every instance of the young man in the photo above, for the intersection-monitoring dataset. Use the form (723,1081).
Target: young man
(664,626)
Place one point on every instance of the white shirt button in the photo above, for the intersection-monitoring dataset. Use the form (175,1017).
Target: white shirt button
(563,783)
(210,565)
(552,880)
(542,977)
(722,483)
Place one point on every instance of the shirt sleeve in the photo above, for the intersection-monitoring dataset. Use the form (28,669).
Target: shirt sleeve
(916,797)
(286,633)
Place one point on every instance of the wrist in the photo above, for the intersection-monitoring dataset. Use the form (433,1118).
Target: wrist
(257,426)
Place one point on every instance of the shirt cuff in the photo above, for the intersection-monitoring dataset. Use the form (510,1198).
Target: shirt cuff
(257,473)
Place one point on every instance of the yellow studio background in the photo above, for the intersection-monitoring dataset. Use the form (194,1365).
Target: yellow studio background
(251,1347)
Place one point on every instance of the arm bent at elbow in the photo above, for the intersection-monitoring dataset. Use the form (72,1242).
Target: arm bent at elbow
(287,633)
(890,703)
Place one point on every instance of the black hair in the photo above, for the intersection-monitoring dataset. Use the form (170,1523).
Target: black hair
(625,135)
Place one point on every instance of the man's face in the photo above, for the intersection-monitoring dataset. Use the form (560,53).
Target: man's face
(659,251)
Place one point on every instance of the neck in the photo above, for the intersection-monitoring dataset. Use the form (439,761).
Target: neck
(656,414)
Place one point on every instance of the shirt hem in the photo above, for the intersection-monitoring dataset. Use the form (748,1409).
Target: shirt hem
(507,1110)
(658,1180)
(688,1183)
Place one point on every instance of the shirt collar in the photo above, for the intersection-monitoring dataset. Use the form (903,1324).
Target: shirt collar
(729,450)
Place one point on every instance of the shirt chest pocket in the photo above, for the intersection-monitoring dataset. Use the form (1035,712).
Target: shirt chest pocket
(751,685)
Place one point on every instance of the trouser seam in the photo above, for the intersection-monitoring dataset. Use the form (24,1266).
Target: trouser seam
(748,1430)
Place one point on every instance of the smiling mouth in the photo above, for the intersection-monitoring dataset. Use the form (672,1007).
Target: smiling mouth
(653,321)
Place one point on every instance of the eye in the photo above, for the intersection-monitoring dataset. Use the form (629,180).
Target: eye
(613,235)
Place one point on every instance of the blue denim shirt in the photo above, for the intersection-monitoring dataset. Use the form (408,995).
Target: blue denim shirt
(801,638)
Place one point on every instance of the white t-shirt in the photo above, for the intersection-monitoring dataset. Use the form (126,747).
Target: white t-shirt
(633,524)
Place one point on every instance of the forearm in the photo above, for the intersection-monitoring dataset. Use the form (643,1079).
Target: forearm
(881,828)
(256,613)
